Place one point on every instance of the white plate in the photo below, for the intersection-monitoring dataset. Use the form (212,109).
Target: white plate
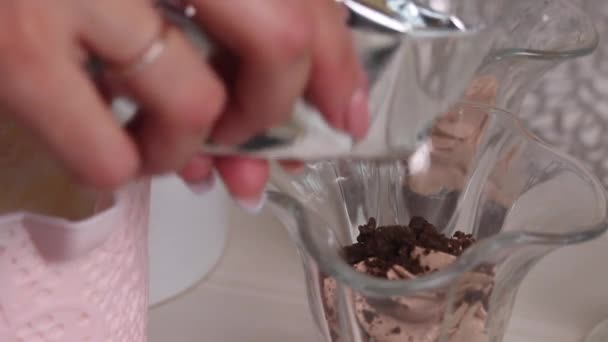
(187,236)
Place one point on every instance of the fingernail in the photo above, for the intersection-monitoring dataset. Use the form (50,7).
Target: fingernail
(357,120)
(203,186)
(252,206)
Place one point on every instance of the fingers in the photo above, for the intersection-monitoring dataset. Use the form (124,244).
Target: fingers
(338,86)
(273,43)
(44,89)
(274,46)
(197,174)
(180,94)
(285,49)
(64,110)
(245,180)
(197,169)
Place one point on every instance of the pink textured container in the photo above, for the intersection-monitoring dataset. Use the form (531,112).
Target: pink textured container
(73,266)
(90,293)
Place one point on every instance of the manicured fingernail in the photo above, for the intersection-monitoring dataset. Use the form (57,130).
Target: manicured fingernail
(203,186)
(252,206)
(357,119)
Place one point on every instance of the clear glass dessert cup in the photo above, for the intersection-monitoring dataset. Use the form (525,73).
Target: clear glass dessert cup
(534,37)
(479,171)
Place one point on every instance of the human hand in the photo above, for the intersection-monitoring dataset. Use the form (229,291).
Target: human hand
(272,52)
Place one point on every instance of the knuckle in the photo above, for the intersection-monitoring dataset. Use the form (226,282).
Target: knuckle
(30,26)
(292,35)
(338,56)
(197,110)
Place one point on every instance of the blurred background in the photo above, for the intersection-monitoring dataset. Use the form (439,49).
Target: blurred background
(569,106)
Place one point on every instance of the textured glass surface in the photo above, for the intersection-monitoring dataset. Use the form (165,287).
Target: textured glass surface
(480,172)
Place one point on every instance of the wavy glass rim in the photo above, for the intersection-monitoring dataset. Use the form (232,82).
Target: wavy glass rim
(590,46)
(549,54)
(474,257)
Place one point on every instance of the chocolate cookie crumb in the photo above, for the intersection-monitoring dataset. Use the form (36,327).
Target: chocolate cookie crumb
(473,296)
(384,247)
(369,316)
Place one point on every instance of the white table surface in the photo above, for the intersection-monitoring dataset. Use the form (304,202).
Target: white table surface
(256,293)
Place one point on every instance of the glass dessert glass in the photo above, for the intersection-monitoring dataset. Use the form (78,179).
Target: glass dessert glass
(478,171)
(569,110)
(535,37)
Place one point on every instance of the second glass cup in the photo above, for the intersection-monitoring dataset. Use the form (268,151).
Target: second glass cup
(479,172)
